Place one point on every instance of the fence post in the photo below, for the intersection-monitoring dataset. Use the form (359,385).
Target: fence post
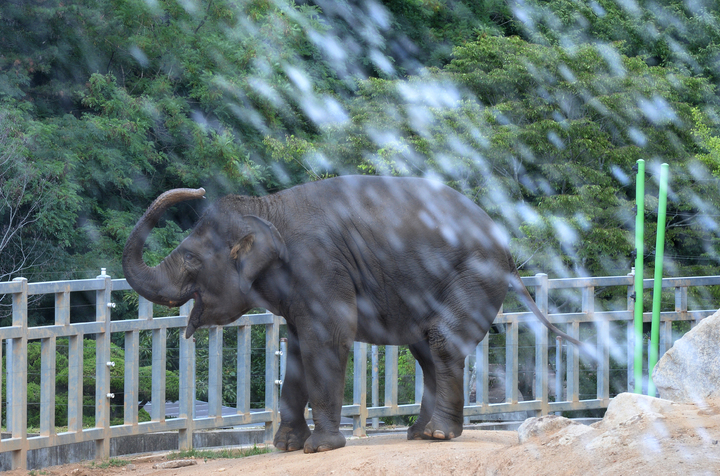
(215,345)
(466,386)
(283,361)
(573,364)
(132,370)
(559,374)
(102,368)
(159,368)
(7,414)
(511,362)
(132,378)
(602,345)
(391,376)
(541,346)
(681,296)
(8,382)
(243,369)
(360,388)
(630,335)
(17,376)
(272,345)
(482,358)
(49,367)
(419,383)
(187,383)
(75,375)
(48,350)
(375,383)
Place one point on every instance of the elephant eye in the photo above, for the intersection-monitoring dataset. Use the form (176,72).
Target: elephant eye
(192,263)
(190,258)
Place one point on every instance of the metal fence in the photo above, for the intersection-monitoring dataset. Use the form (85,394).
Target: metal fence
(365,407)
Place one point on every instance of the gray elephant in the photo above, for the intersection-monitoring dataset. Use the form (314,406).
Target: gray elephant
(387,261)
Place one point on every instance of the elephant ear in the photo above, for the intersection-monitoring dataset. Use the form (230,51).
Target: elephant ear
(260,248)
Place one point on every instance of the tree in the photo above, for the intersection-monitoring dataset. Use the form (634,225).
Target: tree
(666,33)
(129,99)
(134,98)
(542,138)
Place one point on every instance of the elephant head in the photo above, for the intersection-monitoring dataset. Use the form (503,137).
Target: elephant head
(217,264)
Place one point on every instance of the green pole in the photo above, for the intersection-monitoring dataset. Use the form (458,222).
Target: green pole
(657,284)
(640,250)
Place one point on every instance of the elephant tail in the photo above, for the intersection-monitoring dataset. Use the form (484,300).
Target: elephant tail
(527,299)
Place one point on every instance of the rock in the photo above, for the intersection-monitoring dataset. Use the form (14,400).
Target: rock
(542,427)
(626,406)
(178,463)
(625,411)
(569,434)
(690,371)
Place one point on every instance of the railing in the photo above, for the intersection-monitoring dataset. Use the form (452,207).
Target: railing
(20,333)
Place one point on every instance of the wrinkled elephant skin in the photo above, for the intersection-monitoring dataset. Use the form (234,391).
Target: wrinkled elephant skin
(387,261)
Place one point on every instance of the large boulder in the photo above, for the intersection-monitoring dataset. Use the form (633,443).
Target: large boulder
(542,427)
(628,407)
(690,371)
(627,416)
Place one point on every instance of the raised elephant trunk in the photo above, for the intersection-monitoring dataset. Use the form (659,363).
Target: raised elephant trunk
(154,284)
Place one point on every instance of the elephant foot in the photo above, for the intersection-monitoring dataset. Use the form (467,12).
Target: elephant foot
(442,430)
(289,438)
(323,441)
(417,431)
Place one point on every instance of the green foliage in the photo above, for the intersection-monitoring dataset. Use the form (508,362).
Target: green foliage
(669,32)
(229,371)
(114,102)
(709,143)
(219,454)
(553,130)
(111,463)
(435,26)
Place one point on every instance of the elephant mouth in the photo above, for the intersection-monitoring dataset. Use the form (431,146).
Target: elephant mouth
(194,319)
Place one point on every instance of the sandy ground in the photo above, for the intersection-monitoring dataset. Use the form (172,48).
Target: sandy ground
(681,441)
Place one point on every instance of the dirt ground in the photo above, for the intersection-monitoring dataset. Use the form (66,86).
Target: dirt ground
(681,439)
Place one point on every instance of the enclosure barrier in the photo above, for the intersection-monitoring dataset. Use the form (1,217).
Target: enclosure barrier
(17,336)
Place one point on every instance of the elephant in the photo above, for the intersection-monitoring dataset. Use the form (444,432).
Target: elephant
(376,259)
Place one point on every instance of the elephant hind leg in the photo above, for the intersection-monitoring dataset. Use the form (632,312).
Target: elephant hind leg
(421,352)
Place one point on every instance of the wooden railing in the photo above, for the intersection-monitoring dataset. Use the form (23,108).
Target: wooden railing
(365,407)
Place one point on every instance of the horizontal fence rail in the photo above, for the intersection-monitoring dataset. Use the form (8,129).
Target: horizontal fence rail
(554,383)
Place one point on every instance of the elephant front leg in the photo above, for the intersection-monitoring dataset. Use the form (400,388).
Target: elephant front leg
(324,363)
(293,431)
